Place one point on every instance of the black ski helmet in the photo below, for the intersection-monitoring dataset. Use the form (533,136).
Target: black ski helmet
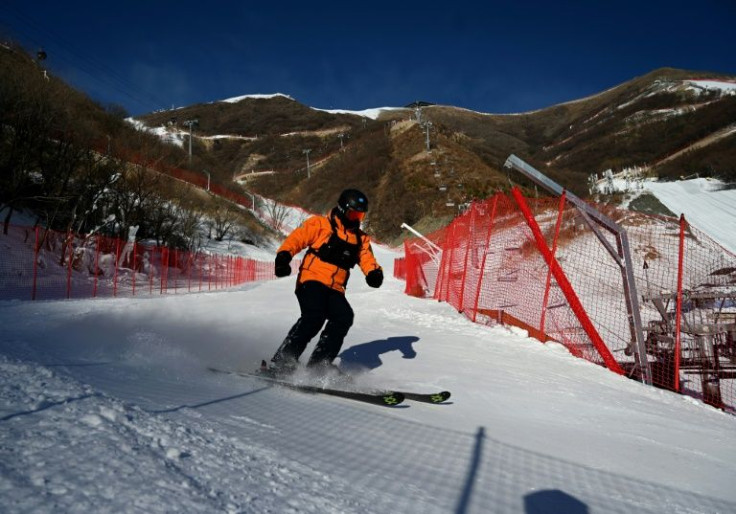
(352,199)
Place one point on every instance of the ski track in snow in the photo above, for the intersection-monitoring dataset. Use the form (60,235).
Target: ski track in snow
(51,425)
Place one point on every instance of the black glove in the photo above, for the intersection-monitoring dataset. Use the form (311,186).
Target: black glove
(282,267)
(374,278)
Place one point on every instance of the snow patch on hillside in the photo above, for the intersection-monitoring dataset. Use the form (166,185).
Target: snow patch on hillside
(366,113)
(240,98)
(725,87)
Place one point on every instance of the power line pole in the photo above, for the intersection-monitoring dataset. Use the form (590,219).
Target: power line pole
(306,151)
(208,178)
(190,123)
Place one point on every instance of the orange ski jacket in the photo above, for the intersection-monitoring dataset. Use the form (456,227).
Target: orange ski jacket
(315,232)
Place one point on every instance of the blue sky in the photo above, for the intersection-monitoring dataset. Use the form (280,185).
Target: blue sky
(495,57)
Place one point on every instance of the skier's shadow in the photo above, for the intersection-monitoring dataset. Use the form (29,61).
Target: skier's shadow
(367,356)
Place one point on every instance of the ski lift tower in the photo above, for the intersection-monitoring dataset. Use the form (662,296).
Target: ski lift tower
(190,124)
(696,338)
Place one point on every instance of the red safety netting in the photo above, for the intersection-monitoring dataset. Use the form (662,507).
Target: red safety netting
(539,266)
(40,264)
(688,284)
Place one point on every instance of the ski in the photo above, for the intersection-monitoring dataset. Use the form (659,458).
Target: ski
(440,397)
(389,398)
(379,397)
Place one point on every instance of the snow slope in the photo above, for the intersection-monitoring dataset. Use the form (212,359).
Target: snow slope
(707,203)
(107,406)
(704,203)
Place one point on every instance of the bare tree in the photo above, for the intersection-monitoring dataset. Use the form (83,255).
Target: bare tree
(95,178)
(188,228)
(135,195)
(277,214)
(223,221)
(25,127)
(176,223)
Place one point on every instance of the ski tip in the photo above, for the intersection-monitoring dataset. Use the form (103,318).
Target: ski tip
(442,396)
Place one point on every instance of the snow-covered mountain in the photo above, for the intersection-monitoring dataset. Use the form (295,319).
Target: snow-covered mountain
(671,123)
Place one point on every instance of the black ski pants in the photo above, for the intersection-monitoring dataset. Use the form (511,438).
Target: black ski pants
(318,303)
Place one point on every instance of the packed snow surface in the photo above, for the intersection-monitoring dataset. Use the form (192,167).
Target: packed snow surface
(108,406)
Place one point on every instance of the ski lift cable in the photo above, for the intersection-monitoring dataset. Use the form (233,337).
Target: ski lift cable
(83,62)
(66,46)
(65,53)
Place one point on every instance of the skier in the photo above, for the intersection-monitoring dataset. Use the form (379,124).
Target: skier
(336,244)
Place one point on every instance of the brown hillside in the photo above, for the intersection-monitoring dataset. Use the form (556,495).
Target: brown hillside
(661,121)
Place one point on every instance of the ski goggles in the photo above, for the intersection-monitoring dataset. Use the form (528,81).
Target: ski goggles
(354,215)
